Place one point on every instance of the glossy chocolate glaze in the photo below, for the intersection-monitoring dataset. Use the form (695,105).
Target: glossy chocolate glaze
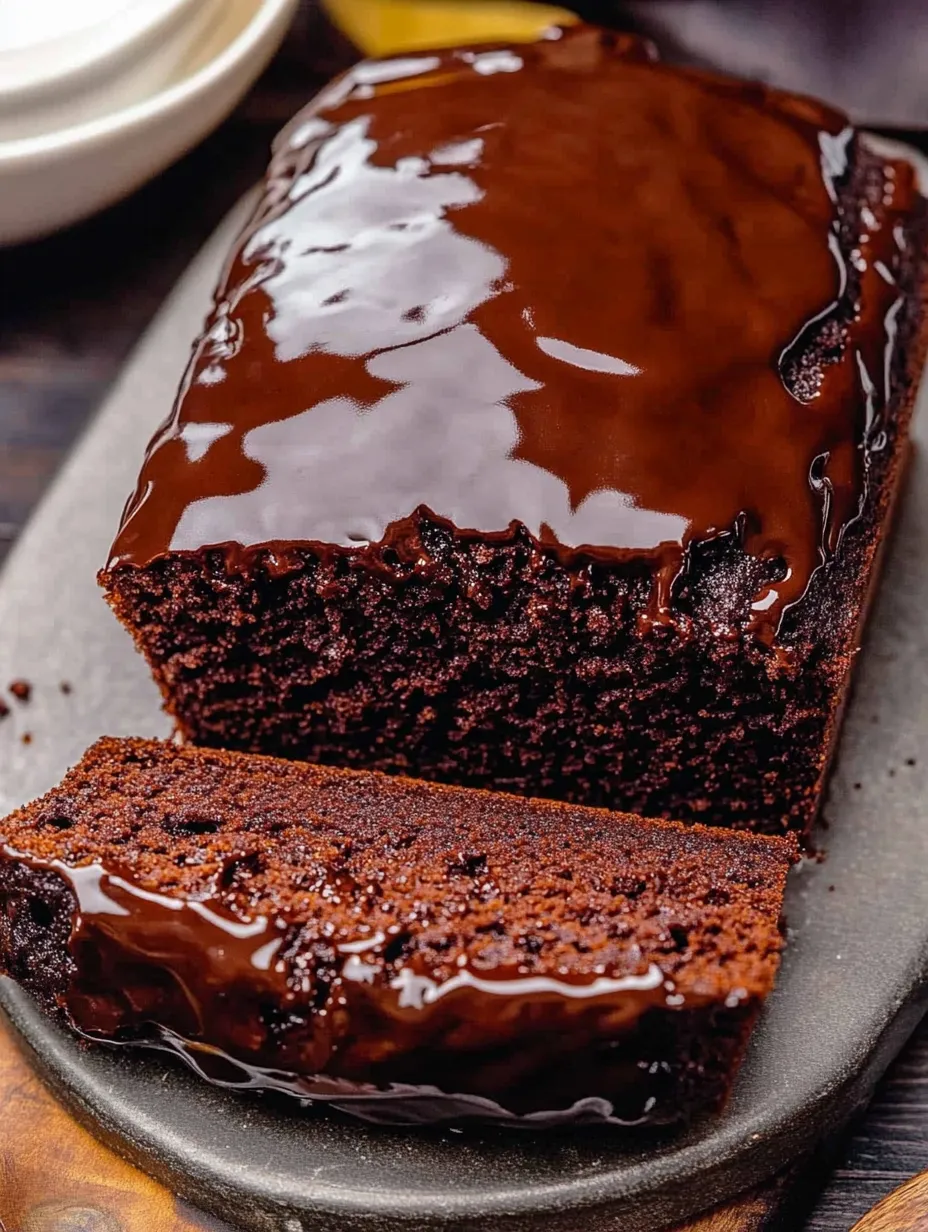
(245,1005)
(626,306)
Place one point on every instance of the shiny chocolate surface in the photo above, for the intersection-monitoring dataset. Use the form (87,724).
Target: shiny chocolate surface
(252,1003)
(626,306)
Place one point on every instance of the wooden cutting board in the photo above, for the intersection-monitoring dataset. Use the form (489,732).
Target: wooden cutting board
(904,1210)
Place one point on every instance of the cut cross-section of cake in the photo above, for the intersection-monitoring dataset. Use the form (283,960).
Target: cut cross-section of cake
(357,937)
(542,437)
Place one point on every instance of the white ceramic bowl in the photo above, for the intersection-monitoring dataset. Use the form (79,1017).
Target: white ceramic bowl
(53,179)
(106,69)
(50,45)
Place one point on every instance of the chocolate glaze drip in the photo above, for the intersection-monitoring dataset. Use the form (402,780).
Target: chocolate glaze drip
(625,306)
(246,1006)
(399,1104)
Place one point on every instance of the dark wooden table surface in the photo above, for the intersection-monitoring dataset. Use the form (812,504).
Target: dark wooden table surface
(71,308)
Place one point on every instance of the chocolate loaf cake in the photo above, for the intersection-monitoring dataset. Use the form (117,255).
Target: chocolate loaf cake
(543,436)
(344,931)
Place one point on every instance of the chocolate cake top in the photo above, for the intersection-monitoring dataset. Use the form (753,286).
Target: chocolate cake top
(626,306)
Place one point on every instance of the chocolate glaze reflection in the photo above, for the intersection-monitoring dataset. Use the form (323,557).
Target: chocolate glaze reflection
(191,977)
(383,930)
(400,1104)
(559,286)
(225,968)
(240,1004)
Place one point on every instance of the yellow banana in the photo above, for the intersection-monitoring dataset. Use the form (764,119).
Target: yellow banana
(383,27)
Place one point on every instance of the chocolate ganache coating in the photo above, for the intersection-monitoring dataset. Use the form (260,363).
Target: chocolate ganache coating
(558,287)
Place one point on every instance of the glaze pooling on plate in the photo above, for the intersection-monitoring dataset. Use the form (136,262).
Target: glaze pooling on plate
(613,302)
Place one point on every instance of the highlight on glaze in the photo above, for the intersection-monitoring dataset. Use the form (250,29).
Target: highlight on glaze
(190,977)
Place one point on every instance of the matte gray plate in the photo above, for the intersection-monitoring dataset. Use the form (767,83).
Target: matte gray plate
(853,981)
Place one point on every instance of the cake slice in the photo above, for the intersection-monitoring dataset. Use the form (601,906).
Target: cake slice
(542,437)
(342,931)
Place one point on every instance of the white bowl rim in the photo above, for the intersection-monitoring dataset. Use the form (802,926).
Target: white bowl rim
(107,52)
(26,149)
